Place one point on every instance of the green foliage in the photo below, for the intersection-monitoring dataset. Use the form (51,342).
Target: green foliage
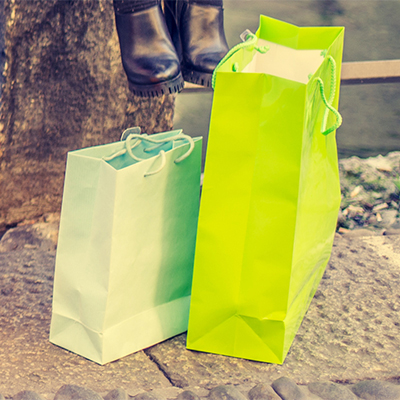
(397,183)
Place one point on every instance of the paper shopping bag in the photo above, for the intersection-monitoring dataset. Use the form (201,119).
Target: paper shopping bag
(271,192)
(126,245)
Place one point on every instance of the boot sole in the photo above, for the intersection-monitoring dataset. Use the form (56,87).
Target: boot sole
(196,77)
(171,86)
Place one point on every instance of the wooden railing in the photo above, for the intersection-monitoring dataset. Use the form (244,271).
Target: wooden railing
(353,73)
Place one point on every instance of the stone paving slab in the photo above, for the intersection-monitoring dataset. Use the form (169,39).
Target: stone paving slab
(350,333)
(28,360)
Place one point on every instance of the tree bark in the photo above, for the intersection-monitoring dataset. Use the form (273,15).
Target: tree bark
(64,89)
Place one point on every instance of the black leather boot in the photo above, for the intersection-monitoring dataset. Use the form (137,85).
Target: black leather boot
(197,30)
(148,54)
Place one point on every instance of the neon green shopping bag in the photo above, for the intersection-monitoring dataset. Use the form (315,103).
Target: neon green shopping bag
(125,252)
(271,191)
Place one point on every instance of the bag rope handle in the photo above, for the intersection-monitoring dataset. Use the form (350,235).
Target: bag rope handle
(158,143)
(249,40)
(328,102)
(163,163)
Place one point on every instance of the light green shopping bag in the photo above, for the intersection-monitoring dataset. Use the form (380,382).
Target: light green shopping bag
(126,245)
(271,191)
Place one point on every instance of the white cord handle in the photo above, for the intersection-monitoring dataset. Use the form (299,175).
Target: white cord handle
(163,162)
(158,143)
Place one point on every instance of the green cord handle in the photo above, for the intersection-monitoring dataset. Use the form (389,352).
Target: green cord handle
(250,41)
(328,102)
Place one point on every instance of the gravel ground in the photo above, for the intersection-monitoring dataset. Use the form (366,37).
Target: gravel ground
(370,194)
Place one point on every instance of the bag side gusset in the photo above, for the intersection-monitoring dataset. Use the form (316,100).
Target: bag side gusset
(319,194)
(77,262)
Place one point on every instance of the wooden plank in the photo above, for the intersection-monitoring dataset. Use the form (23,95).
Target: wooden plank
(386,71)
(353,73)
(192,88)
